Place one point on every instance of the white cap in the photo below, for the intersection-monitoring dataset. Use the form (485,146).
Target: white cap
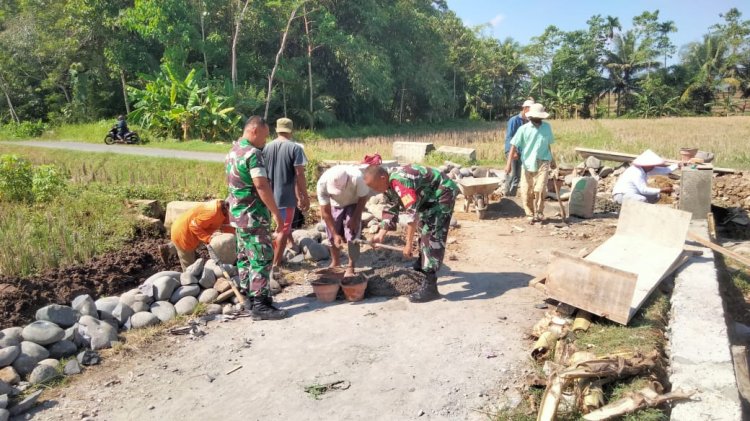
(527,103)
(536,110)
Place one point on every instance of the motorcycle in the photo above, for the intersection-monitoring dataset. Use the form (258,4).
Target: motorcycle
(130,137)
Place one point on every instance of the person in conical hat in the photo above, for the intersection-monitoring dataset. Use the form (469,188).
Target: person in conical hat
(633,183)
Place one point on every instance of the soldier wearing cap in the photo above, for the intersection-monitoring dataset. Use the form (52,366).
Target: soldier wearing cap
(342,195)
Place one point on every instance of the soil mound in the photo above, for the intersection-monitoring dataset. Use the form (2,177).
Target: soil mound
(109,274)
(393,281)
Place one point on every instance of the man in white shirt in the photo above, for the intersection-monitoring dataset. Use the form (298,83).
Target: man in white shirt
(633,183)
(342,195)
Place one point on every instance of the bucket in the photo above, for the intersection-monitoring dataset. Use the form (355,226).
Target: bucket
(354,287)
(325,283)
(688,153)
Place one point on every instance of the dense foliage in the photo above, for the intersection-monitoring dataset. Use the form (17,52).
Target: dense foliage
(195,68)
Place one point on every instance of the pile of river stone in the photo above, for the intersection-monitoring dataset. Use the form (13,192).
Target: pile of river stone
(31,354)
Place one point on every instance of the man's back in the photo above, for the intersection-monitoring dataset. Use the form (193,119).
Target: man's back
(281,156)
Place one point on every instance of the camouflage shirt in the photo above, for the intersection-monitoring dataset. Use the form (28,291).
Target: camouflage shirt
(246,209)
(415,188)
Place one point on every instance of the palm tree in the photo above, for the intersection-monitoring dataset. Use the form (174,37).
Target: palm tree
(708,60)
(664,44)
(611,24)
(626,59)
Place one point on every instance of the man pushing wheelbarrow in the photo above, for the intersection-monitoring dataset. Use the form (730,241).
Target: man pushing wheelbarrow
(425,198)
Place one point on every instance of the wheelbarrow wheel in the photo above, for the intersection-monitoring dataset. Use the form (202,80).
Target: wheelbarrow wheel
(481,213)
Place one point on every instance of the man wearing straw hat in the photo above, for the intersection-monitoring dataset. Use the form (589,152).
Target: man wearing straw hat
(532,144)
(515,123)
(633,183)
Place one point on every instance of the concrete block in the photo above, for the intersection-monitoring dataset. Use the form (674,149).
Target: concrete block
(695,192)
(699,350)
(469,154)
(175,209)
(408,152)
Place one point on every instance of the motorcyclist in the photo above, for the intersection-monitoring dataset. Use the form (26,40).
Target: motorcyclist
(122,127)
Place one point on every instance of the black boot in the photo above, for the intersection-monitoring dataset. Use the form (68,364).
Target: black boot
(417,264)
(427,292)
(263,309)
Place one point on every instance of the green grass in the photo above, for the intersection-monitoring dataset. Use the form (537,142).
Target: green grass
(91,217)
(741,280)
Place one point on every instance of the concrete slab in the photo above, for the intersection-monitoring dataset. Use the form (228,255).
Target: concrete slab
(699,353)
(408,152)
(695,192)
(469,154)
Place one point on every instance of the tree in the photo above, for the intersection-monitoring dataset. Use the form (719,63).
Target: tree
(626,59)
(611,24)
(663,43)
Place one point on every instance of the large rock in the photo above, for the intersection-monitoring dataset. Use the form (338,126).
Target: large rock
(299,236)
(212,266)
(62,316)
(196,269)
(468,154)
(222,285)
(147,288)
(140,306)
(42,332)
(593,162)
(175,209)
(143,319)
(72,367)
(52,362)
(11,336)
(208,279)
(122,313)
(186,305)
(31,354)
(410,152)
(88,357)
(316,252)
(208,296)
(85,306)
(225,246)
(9,375)
(62,349)
(43,373)
(212,309)
(148,207)
(187,278)
(3,403)
(164,287)
(135,296)
(5,388)
(4,415)
(184,291)
(72,335)
(96,334)
(106,306)
(25,404)
(8,355)
(164,310)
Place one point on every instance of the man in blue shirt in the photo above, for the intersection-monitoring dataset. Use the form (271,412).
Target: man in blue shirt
(512,180)
(534,141)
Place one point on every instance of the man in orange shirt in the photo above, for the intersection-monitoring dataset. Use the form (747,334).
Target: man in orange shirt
(196,226)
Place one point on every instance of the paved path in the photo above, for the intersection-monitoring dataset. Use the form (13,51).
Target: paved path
(124,149)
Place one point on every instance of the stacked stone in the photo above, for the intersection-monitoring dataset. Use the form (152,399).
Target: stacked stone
(32,354)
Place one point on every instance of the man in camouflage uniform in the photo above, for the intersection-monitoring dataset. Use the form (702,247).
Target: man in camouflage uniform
(425,197)
(251,205)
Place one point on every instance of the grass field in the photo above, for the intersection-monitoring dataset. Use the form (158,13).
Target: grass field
(91,217)
(725,136)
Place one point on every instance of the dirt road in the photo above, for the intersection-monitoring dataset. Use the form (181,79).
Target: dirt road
(443,359)
(125,149)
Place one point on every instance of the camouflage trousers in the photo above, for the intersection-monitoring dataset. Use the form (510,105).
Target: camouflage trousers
(254,257)
(433,226)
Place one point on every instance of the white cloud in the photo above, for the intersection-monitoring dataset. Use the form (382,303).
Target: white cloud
(497,20)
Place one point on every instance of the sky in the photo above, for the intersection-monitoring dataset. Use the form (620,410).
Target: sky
(522,20)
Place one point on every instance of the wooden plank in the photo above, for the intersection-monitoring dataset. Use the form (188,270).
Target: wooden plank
(598,289)
(715,247)
(628,157)
(741,371)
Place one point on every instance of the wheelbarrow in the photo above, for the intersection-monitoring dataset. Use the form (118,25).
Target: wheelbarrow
(477,191)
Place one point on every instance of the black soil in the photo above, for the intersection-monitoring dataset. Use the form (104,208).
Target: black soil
(393,281)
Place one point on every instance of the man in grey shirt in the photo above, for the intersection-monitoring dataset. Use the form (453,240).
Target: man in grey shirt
(285,165)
